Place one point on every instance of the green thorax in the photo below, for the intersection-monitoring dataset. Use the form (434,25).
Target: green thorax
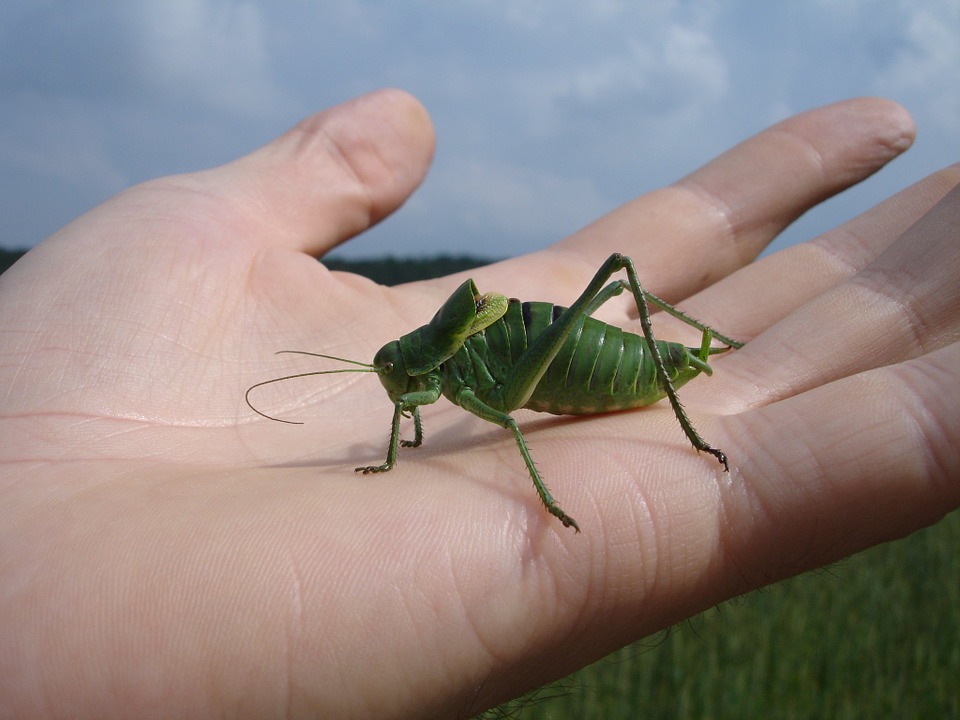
(403,365)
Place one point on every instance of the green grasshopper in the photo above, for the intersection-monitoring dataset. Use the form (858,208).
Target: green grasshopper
(491,355)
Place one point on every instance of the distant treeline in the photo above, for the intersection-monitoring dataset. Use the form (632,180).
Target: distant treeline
(387,271)
(394,271)
(8,258)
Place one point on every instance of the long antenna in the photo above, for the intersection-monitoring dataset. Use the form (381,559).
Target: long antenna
(367,367)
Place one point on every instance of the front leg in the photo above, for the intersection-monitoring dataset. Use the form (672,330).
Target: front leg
(466,399)
(392,448)
(408,402)
(417,432)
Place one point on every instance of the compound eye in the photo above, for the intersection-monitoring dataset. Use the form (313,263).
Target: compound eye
(387,368)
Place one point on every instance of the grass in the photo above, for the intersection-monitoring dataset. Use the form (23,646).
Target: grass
(876,636)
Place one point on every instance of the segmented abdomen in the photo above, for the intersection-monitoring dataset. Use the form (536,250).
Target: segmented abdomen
(599,368)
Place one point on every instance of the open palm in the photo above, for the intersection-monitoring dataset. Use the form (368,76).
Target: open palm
(167,552)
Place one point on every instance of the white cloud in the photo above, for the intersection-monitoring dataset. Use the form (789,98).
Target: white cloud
(209,51)
(529,14)
(927,67)
(520,200)
(679,67)
(690,54)
(622,62)
(547,111)
(487,207)
(538,14)
(68,146)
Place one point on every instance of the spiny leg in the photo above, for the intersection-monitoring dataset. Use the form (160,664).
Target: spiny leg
(391,448)
(530,367)
(701,357)
(618,286)
(680,315)
(545,497)
(609,291)
(408,402)
(417,432)
(466,399)
(641,299)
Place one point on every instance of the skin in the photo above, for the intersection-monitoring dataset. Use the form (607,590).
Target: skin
(167,553)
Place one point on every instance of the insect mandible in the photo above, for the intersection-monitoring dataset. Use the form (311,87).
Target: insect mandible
(491,355)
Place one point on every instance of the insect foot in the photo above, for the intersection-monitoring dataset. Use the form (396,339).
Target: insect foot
(563,518)
(719,455)
(373,469)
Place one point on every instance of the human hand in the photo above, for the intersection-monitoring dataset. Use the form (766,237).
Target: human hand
(166,552)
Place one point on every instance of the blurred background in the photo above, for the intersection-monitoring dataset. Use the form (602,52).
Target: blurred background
(548,114)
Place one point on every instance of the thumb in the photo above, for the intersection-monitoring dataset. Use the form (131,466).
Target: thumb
(334,174)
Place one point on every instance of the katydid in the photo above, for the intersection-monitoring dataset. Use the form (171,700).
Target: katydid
(491,355)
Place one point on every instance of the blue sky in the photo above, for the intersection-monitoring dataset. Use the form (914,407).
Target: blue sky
(548,113)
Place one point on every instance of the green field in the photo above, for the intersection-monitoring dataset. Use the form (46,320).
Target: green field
(876,636)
